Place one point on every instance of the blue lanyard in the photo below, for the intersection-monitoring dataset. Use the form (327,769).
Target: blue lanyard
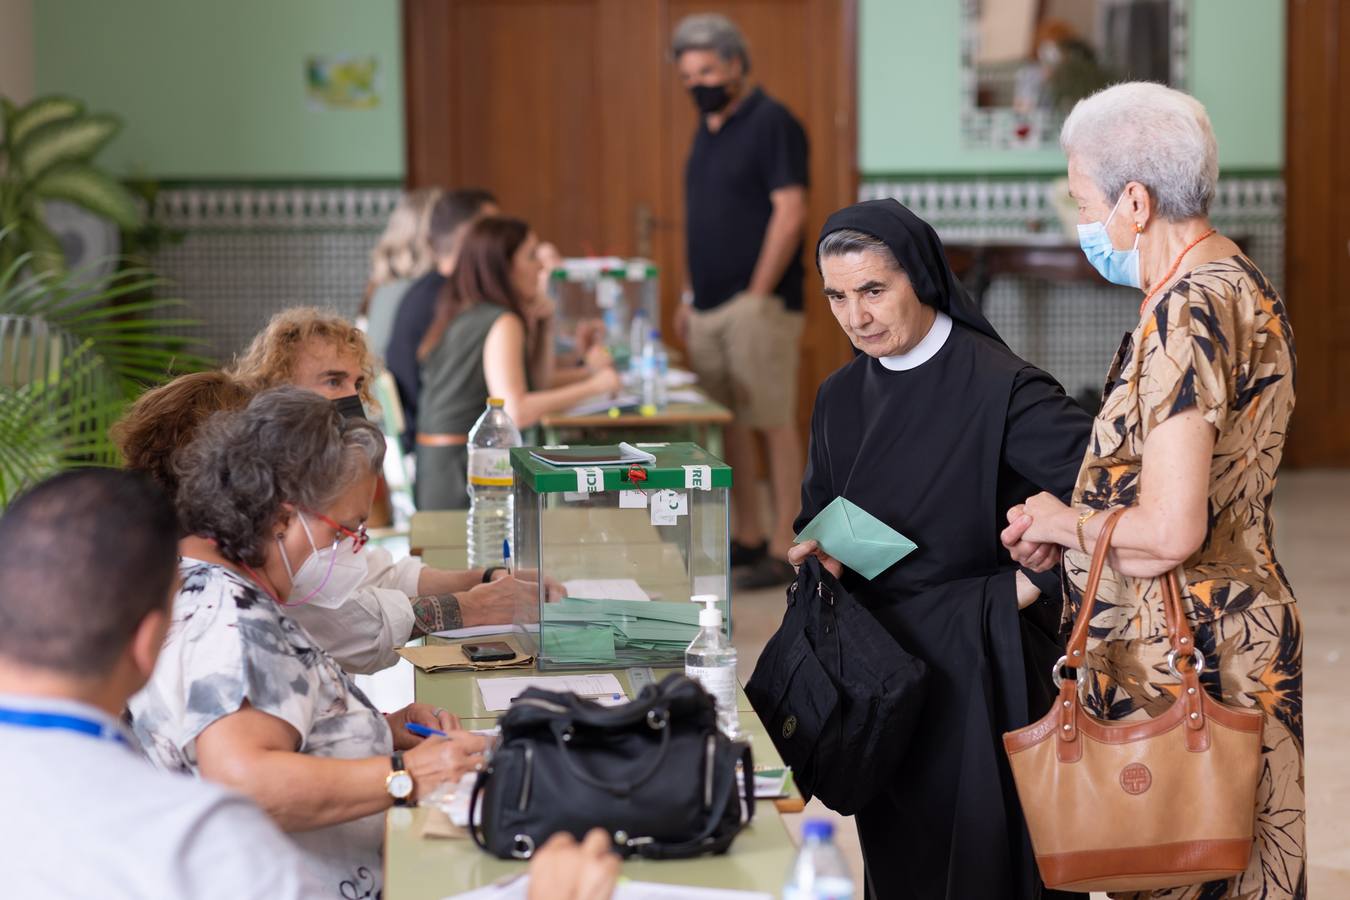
(24,718)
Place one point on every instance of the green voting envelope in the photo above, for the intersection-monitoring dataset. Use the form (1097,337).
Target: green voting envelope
(857,538)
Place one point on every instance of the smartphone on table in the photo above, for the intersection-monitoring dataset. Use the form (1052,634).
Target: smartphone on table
(489,651)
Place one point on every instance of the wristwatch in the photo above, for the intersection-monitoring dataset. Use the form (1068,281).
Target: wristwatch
(399,783)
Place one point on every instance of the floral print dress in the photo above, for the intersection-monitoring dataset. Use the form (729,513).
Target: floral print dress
(230,643)
(1218,341)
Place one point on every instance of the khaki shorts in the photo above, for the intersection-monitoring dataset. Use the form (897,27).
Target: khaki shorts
(745,354)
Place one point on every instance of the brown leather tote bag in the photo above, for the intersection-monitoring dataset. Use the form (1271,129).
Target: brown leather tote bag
(1115,806)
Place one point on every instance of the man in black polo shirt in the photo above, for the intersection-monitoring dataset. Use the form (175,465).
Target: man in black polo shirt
(745,205)
(450,217)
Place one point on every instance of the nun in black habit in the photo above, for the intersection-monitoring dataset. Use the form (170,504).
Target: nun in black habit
(937,428)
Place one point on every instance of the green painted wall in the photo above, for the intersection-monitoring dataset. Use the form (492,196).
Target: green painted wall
(215,89)
(909,88)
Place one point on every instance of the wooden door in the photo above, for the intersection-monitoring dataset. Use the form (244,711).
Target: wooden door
(1317,237)
(572,113)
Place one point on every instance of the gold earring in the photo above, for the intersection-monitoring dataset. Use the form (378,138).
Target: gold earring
(1138,227)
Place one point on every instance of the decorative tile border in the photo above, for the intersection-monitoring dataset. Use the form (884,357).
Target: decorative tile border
(1072,330)
(252,208)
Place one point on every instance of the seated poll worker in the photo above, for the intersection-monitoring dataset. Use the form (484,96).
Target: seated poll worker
(273,499)
(935,428)
(85,814)
(393,601)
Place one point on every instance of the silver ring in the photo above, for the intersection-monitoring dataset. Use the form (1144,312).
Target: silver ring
(441,712)
(1196,656)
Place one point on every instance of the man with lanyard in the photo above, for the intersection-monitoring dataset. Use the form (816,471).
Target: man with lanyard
(741,319)
(90,563)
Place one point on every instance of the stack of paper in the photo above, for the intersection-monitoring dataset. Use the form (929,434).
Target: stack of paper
(602,687)
(592,630)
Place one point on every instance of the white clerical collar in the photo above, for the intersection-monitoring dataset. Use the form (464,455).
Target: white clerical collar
(925,349)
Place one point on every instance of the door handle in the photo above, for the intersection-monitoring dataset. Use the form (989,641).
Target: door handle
(643,224)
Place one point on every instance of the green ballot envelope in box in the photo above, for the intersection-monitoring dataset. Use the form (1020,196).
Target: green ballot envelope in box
(857,538)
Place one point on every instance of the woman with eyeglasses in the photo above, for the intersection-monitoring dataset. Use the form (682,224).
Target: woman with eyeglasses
(274,499)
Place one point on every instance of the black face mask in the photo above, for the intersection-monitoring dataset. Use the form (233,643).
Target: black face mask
(710,98)
(350,407)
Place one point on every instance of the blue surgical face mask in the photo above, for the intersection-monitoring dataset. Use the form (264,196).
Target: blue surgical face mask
(1117,266)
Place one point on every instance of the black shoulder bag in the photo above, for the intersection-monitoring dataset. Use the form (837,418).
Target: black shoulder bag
(839,696)
(655,773)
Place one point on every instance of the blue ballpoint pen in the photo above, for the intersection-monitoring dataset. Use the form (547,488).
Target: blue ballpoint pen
(506,554)
(424,731)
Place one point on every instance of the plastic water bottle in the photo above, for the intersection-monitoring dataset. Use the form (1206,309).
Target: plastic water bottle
(655,368)
(819,871)
(711,661)
(637,333)
(490,485)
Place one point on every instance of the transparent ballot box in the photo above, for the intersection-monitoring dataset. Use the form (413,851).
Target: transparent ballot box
(620,550)
(609,291)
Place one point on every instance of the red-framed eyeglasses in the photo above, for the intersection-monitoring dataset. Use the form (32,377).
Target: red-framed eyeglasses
(359,536)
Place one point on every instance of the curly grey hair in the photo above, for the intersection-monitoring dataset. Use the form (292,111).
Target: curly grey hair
(710,31)
(287,446)
(1149,133)
(847,240)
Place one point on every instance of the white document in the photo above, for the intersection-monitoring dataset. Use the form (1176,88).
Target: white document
(519,889)
(605,589)
(498,693)
(632,499)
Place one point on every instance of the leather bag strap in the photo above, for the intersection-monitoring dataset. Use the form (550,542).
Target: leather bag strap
(1077,646)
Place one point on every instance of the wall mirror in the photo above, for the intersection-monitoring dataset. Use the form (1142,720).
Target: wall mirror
(1024,63)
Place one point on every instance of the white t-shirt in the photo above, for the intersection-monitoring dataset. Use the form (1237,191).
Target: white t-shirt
(364,631)
(85,816)
(230,642)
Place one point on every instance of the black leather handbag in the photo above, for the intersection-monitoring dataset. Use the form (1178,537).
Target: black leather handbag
(839,696)
(655,773)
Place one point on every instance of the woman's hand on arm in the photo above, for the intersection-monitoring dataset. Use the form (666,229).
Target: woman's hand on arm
(1034,555)
(1170,521)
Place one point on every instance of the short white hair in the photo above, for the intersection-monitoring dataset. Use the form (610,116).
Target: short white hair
(1149,133)
(711,31)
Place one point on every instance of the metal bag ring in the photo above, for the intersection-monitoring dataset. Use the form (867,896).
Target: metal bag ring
(1197,658)
(657,719)
(1055,672)
(522,846)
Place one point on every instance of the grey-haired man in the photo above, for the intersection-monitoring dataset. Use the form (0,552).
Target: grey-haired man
(745,206)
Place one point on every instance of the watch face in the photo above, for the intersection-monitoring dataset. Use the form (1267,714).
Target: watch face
(400,785)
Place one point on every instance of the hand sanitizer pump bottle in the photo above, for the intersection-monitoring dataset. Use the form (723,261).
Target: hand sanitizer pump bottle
(711,661)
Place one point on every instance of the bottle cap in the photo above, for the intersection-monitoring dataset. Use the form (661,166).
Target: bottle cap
(819,829)
(655,334)
(498,402)
(710,615)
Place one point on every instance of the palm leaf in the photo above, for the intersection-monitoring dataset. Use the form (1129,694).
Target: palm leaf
(73,353)
(47,257)
(64,140)
(85,186)
(22,122)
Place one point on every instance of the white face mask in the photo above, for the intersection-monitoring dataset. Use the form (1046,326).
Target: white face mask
(329,575)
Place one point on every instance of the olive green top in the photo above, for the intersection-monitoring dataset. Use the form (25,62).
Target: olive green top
(454,388)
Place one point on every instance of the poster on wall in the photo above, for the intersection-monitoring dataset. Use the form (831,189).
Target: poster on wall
(342,82)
